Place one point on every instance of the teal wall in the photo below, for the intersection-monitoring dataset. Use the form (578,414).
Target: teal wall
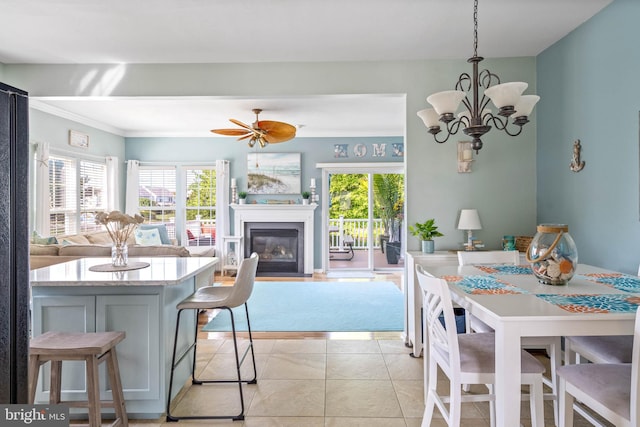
(502,185)
(588,83)
(45,127)
(208,150)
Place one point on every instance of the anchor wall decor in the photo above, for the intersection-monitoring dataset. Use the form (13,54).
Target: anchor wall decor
(576,164)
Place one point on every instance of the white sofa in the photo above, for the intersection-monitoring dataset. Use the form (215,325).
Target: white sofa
(98,244)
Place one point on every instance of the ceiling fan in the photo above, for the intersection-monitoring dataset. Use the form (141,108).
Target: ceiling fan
(263,132)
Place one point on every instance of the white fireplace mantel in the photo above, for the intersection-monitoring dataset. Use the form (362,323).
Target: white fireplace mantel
(260,212)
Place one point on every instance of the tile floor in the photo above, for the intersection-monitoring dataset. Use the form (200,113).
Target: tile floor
(321,383)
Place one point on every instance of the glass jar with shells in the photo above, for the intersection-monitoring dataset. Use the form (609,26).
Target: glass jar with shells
(553,254)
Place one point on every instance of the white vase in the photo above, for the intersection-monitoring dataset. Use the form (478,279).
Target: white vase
(305,201)
(242,201)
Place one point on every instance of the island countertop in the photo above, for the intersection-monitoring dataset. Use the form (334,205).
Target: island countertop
(162,271)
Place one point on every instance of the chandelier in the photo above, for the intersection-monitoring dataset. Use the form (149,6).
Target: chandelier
(477,119)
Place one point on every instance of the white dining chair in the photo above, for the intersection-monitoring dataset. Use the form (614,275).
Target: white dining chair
(597,349)
(463,358)
(552,345)
(610,389)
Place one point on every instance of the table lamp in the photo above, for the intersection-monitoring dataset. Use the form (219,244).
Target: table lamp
(469,220)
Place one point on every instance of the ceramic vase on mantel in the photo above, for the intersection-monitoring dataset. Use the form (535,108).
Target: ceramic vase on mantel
(428,246)
(119,254)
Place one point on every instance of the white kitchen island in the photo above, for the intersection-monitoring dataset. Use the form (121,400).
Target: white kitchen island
(68,297)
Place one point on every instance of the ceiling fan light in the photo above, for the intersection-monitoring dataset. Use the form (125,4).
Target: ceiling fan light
(446,102)
(429,117)
(525,105)
(506,94)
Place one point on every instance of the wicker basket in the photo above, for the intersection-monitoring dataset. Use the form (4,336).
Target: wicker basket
(522,242)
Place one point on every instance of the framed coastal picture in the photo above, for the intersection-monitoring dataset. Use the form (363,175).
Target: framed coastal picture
(273,173)
(78,139)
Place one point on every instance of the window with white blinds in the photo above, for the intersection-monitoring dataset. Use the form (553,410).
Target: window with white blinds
(200,206)
(77,190)
(157,196)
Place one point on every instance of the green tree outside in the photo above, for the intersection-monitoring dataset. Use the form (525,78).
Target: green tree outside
(202,193)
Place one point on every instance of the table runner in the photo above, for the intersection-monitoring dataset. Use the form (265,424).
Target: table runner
(604,303)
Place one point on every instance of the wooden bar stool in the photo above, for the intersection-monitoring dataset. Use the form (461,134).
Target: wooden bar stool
(93,348)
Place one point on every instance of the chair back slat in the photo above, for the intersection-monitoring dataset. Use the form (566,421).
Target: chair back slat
(488,257)
(437,302)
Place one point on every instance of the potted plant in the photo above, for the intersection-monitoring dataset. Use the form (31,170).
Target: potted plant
(305,197)
(242,197)
(426,231)
(388,194)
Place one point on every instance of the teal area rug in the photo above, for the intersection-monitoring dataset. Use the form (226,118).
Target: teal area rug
(318,306)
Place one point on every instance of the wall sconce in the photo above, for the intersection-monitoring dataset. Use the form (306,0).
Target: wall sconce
(312,186)
(465,156)
(234,191)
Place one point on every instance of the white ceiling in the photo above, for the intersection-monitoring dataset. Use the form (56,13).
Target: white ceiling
(317,116)
(209,31)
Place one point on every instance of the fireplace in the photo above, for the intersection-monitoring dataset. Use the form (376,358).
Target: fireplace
(280,246)
(280,217)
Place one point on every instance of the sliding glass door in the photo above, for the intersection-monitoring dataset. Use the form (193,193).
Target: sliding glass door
(363,209)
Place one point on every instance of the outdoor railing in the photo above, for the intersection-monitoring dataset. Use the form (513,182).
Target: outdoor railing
(204,231)
(357,229)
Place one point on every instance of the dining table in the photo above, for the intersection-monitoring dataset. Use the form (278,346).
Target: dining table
(511,300)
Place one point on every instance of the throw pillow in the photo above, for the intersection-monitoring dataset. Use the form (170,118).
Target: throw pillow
(162,229)
(148,237)
(39,240)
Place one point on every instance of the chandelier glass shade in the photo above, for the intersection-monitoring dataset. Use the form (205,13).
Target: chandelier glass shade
(477,119)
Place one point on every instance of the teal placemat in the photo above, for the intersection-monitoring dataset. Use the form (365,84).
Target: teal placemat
(484,285)
(505,269)
(619,281)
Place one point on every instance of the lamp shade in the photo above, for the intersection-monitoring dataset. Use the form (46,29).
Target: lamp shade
(469,220)
(525,105)
(446,101)
(429,117)
(506,94)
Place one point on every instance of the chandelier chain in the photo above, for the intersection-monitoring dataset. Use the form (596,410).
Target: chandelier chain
(475,28)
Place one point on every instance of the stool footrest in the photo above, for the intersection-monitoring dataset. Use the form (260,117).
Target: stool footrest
(85,404)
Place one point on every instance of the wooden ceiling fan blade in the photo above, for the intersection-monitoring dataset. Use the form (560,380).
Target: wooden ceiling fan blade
(249,135)
(231,132)
(277,131)
(274,139)
(239,123)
